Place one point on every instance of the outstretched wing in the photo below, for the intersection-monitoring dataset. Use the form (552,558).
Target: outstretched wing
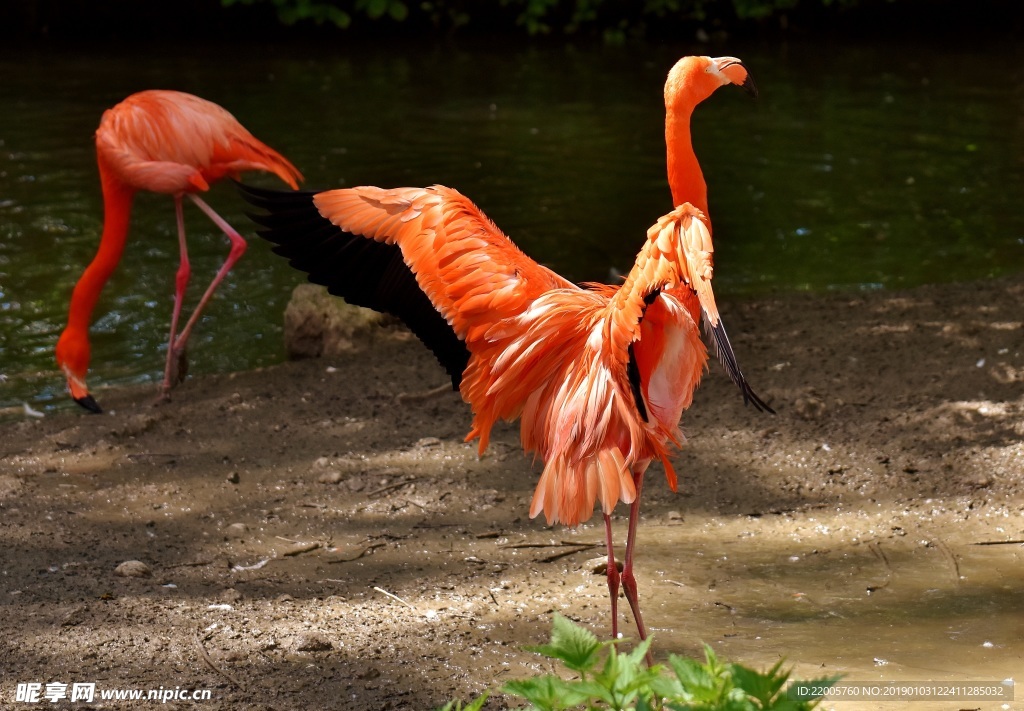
(426,255)
(472,273)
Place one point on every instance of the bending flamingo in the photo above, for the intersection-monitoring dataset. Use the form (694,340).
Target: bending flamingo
(597,375)
(165,142)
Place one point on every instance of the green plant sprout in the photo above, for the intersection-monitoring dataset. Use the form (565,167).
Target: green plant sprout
(621,681)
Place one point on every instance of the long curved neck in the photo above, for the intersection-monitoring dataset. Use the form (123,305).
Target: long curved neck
(117,206)
(684,175)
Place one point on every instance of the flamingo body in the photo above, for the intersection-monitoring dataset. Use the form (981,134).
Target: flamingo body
(597,375)
(542,349)
(165,142)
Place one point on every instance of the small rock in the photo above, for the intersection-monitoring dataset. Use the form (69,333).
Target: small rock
(231,595)
(75,616)
(234,655)
(810,407)
(317,324)
(354,484)
(233,478)
(312,642)
(331,477)
(982,481)
(322,463)
(236,530)
(133,569)
(134,426)
(600,567)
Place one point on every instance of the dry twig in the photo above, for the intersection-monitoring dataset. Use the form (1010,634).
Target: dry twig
(361,553)
(212,665)
(394,597)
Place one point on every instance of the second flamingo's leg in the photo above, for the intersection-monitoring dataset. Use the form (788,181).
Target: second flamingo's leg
(238,247)
(628,581)
(613,577)
(180,284)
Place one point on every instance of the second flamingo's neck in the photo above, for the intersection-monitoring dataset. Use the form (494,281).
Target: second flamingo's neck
(117,205)
(684,174)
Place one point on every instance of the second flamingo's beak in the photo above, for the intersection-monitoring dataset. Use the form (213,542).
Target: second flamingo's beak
(89,403)
(737,73)
(80,394)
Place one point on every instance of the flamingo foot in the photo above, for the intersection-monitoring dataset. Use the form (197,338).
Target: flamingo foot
(629,588)
(180,365)
(612,571)
(176,370)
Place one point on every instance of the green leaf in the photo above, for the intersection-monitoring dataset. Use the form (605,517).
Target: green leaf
(398,11)
(476,704)
(338,17)
(546,693)
(577,647)
(762,687)
(376,8)
(667,687)
(695,678)
(625,677)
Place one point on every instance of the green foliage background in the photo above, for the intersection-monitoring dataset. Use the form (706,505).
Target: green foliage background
(87,21)
(535,17)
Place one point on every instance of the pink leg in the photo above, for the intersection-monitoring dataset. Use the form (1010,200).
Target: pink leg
(628,581)
(613,577)
(238,247)
(180,284)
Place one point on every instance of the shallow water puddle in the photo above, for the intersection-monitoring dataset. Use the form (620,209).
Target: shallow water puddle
(911,608)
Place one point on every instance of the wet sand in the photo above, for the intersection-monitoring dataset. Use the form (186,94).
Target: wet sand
(311,539)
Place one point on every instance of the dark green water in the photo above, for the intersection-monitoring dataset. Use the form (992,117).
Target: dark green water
(859,167)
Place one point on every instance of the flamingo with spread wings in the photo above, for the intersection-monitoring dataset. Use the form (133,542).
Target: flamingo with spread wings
(164,142)
(597,375)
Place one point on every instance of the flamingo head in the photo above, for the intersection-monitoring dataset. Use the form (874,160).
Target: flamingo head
(694,79)
(73,359)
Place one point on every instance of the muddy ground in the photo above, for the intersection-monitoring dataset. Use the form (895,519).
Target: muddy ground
(308,538)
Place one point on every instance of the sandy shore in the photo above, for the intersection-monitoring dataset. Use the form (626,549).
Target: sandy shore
(271,509)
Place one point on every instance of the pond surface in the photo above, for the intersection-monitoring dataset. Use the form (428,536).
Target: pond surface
(858,167)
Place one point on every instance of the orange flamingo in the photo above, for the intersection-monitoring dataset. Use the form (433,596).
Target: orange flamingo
(597,375)
(172,143)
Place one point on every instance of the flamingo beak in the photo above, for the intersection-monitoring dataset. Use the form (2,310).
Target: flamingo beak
(735,71)
(90,404)
(80,393)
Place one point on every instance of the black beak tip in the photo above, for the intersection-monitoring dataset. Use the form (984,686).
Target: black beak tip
(90,404)
(749,87)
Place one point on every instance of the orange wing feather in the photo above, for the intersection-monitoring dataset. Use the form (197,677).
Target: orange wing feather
(541,348)
(472,273)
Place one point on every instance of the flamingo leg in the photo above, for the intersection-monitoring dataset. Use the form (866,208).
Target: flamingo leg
(180,284)
(628,581)
(238,247)
(613,577)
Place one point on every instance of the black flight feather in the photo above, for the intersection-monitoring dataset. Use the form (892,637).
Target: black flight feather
(362,271)
(723,351)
